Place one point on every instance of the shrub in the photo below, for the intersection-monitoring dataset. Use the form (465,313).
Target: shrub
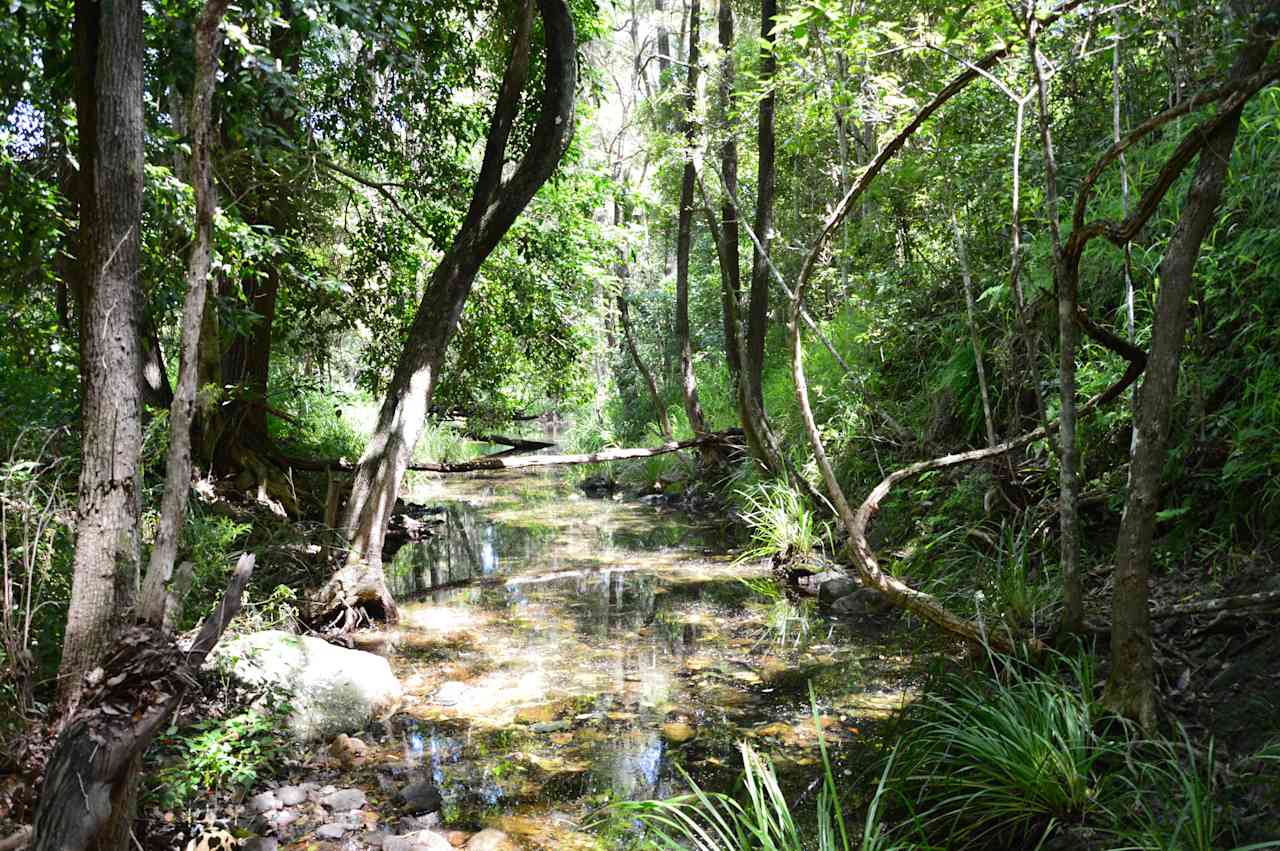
(219,756)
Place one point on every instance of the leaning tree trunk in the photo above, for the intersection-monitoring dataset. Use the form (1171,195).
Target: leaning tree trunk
(684,234)
(109,84)
(1131,686)
(495,204)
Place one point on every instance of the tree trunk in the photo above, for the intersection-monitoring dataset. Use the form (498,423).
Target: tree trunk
(684,233)
(974,340)
(727,236)
(621,215)
(109,86)
(664,43)
(1065,275)
(161,597)
(664,420)
(495,204)
(1130,688)
(758,309)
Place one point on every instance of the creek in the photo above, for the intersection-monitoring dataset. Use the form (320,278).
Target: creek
(559,652)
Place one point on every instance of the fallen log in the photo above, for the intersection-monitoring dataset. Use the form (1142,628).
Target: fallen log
(1219,604)
(516,462)
(518,443)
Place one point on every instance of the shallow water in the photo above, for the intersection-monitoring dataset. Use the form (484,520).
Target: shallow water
(559,652)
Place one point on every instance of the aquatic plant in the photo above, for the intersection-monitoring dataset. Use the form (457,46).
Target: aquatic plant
(762,819)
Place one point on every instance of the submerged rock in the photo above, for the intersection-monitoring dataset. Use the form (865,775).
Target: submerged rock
(861,603)
(333,690)
(490,840)
(678,732)
(833,589)
(420,796)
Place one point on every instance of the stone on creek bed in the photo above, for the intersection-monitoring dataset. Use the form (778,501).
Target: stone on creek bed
(333,690)
(833,589)
(863,602)
(419,840)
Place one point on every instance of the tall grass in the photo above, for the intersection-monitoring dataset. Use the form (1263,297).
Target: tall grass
(780,521)
(762,819)
(992,763)
(1174,796)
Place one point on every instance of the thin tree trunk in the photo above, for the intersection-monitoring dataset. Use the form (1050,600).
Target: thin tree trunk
(495,204)
(1029,338)
(109,87)
(158,597)
(664,43)
(727,236)
(684,233)
(1065,277)
(664,420)
(758,309)
(1130,688)
(972,309)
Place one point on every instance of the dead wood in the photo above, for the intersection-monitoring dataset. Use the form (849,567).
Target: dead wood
(1218,604)
(493,462)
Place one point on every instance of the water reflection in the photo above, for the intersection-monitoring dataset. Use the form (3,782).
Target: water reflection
(555,649)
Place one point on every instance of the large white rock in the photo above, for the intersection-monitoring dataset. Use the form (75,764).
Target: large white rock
(334,690)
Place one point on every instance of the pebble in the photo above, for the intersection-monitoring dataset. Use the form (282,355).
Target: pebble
(419,840)
(263,802)
(344,800)
(291,796)
(332,831)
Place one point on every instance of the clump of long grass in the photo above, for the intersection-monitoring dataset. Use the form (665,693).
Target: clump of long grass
(1004,761)
(781,523)
(762,819)
(1173,793)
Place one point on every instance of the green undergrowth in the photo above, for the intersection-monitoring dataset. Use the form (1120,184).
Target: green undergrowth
(1017,758)
(207,762)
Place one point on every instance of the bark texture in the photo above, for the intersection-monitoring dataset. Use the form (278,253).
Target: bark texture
(1066,281)
(89,779)
(1130,687)
(109,83)
(495,204)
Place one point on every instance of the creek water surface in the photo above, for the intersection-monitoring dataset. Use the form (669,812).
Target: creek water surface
(559,652)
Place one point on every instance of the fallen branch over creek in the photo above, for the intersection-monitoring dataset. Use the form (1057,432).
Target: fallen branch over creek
(517,462)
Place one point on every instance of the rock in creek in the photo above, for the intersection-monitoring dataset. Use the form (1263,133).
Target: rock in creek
(421,796)
(419,840)
(333,690)
(834,589)
(490,840)
(863,602)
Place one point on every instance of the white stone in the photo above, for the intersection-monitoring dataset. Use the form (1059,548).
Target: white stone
(333,690)
(419,840)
